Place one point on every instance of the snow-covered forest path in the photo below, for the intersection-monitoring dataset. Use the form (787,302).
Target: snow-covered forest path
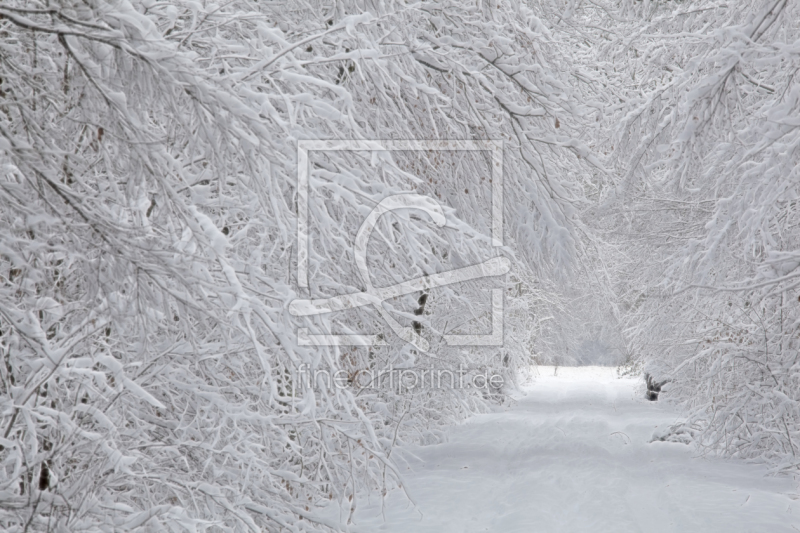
(573,455)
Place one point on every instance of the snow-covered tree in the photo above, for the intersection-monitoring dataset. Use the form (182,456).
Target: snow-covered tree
(151,377)
(706,211)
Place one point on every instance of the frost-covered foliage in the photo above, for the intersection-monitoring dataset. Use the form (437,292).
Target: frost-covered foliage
(583,325)
(151,378)
(707,147)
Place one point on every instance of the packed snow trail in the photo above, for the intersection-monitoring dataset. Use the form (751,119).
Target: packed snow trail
(573,455)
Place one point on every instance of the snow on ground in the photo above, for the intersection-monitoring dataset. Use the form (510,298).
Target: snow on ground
(573,455)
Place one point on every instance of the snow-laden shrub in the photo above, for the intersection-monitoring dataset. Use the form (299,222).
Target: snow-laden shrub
(706,209)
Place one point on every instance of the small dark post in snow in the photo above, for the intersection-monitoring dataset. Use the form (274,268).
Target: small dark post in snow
(653,387)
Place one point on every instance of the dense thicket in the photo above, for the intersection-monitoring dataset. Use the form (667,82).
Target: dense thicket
(151,377)
(706,213)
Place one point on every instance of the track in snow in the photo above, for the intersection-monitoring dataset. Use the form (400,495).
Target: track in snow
(573,455)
